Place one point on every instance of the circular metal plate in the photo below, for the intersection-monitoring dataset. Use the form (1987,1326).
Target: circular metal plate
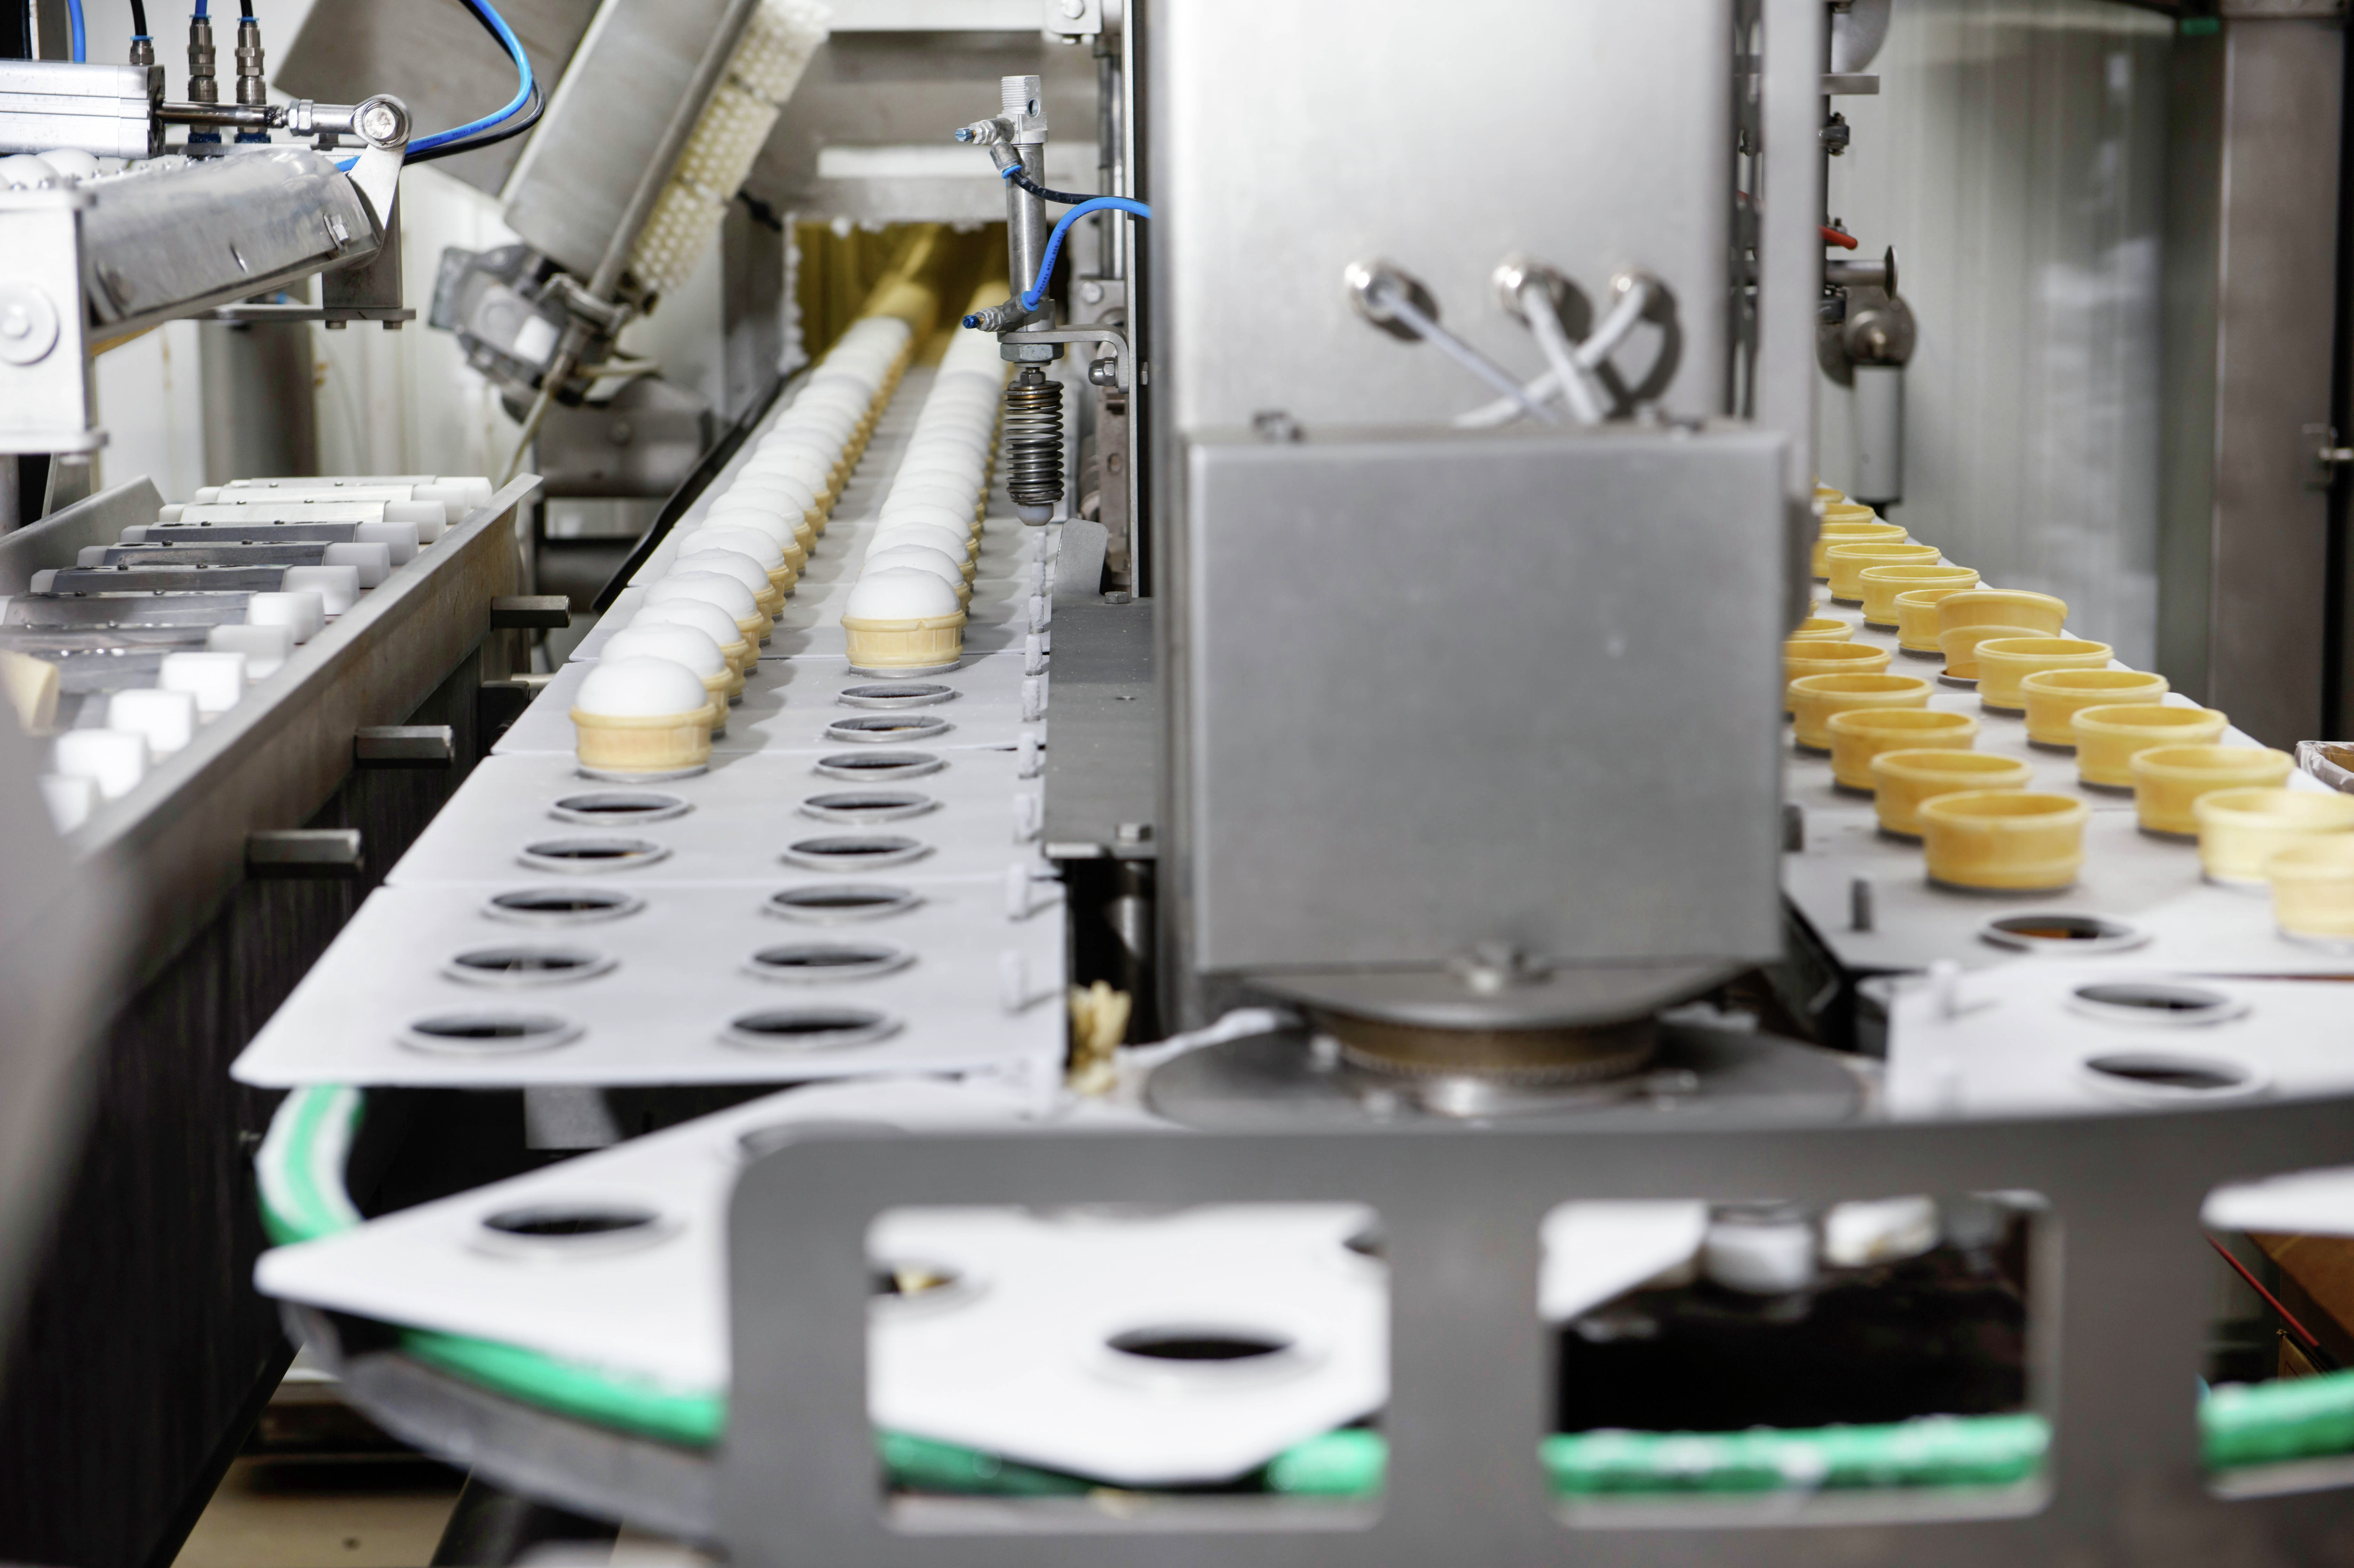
(855,852)
(488,1032)
(799,1030)
(561,905)
(1281,1081)
(823,963)
(887,729)
(862,806)
(872,766)
(839,905)
(896,694)
(520,964)
(585,854)
(601,807)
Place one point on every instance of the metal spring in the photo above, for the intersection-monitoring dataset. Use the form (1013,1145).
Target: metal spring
(1034,440)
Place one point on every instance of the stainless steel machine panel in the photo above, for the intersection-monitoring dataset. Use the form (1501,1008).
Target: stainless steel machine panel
(572,188)
(1546,715)
(1599,138)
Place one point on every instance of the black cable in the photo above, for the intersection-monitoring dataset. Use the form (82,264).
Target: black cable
(245,9)
(138,18)
(515,125)
(1014,173)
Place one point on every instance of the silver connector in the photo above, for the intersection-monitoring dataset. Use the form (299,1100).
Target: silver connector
(250,88)
(986,133)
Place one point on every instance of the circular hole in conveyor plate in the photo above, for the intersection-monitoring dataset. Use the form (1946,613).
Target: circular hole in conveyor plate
(590,854)
(821,962)
(572,1230)
(2166,1004)
(800,1030)
(896,694)
(884,729)
(561,905)
(559,1221)
(596,806)
(520,964)
(868,805)
(2161,1076)
(868,766)
(855,852)
(1191,1343)
(2071,934)
(487,1032)
(824,905)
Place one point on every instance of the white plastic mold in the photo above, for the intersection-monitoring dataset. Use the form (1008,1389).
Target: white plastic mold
(693,986)
(2044,1038)
(789,703)
(746,819)
(2138,883)
(658,1311)
(1044,1349)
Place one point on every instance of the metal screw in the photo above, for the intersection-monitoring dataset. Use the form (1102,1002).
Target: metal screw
(1075,9)
(1276,427)
(379,122)
(1090,290)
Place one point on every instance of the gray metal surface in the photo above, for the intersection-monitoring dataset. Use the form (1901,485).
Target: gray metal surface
(601,1472)
(645,441)
(2277,262)
(179,839)
(1103,768)
(48,397)
(57,539)
(103,109)
(2118,1337)
(1790,251)
(605,124)
(1455,690)
(883,100)
(1443,144)
(443,67)
(167,241)
(1278,1083)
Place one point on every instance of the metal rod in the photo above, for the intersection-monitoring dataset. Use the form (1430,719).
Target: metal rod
(257,115)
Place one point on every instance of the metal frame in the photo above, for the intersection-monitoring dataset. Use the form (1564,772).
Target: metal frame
(179,839)
(2118,1325)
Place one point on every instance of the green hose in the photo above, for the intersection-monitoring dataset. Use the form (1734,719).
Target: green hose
(301,1169)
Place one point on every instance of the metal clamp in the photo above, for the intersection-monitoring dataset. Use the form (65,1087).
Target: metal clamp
(1123,376)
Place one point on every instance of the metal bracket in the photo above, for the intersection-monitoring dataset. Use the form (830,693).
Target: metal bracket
(46,396)
(303,852)
(530,611)
(405,746)
(1123,372)
(2116,1329)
